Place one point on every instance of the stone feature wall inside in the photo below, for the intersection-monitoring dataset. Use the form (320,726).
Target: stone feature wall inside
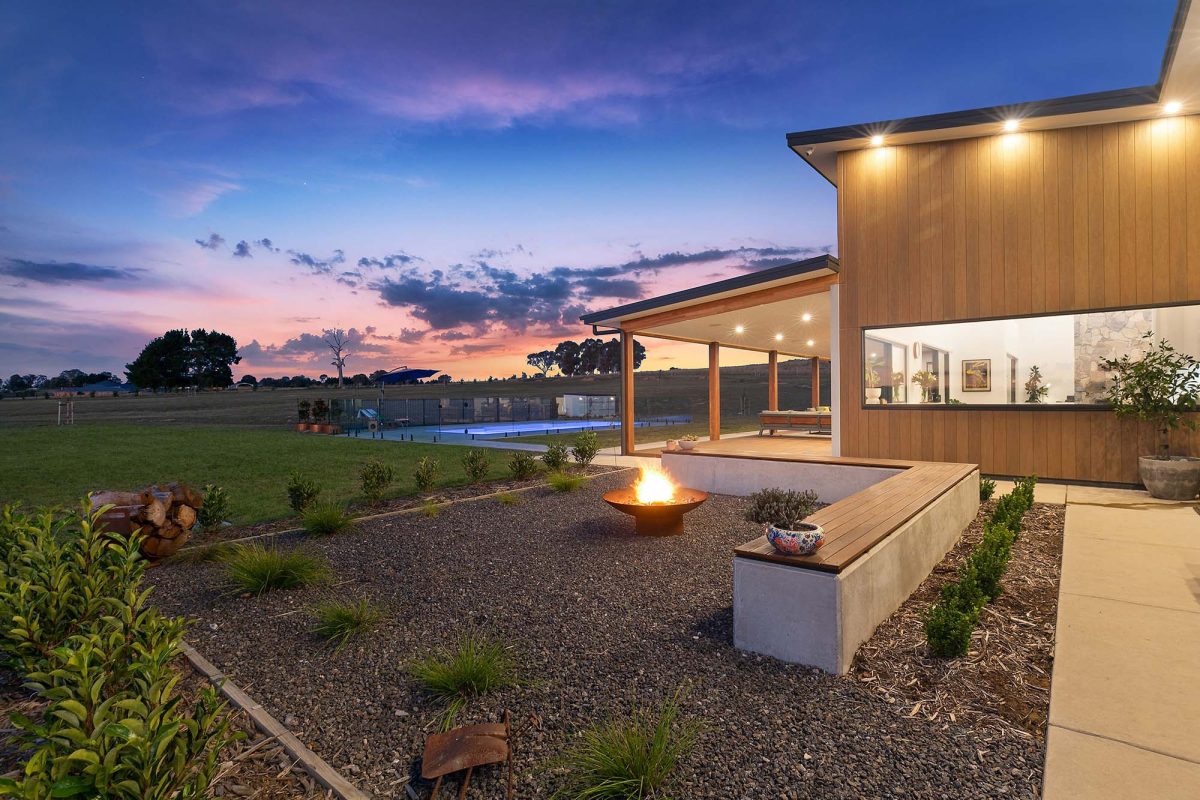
(1106,334)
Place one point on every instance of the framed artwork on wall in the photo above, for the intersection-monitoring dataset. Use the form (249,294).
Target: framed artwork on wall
(977,375)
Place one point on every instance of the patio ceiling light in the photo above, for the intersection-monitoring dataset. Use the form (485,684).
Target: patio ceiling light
(810,343)
(1172,107)
(740,329)
(779,337)
(876,140)
(806,317)
(1011,125)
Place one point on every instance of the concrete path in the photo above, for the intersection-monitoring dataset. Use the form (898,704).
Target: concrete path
(1125,693)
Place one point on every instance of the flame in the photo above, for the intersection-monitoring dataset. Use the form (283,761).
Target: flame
(654,486)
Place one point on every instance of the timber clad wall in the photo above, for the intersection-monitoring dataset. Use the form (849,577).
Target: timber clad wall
(1042,222)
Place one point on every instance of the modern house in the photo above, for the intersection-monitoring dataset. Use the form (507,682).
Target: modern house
(988,261)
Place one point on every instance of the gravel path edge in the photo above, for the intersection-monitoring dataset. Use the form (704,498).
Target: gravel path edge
(316,766)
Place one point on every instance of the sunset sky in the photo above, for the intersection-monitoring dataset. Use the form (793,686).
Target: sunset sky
(457,182)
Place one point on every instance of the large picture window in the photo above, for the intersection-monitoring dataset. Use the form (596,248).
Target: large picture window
(1045,360)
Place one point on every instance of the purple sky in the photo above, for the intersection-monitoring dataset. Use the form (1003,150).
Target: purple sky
(457,182)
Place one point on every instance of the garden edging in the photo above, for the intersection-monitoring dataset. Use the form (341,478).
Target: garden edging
(316,766)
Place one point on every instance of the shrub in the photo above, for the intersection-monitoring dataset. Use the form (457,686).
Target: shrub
(1023,491)
(215,508)
(302,493)
(990,558)
(782,508)
(425,475)
(987,488)
(254,568)
(327,519)
(556,457)
(376,477)
(565,482)
(948,630)
(474,666)
(522,465)
(587,447)
(629,758)
(338,621)
(476,465)
(1008,513)
(508,499)
(87,640)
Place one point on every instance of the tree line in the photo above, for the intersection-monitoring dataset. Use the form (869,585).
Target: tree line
(589,357)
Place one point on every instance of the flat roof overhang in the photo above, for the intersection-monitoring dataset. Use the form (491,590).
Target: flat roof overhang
(1179,81)
(784,309)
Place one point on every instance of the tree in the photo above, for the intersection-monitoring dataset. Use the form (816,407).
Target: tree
(589,356)
(543,361)
(177,358)
(250,379)
(337,342)
(360,379)
(566,356)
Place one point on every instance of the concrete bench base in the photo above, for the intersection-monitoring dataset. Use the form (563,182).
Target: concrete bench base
(806,616)
(742,477)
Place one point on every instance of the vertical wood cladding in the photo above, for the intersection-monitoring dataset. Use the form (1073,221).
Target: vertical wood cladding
(1066,220)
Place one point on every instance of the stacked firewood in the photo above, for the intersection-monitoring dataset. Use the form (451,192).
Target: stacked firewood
(164,514)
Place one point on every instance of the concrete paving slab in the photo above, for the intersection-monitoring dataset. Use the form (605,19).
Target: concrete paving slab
(1132,527)
(1163,576)
(1102,495)
(1083,767)
(1128,672)
(1055,493)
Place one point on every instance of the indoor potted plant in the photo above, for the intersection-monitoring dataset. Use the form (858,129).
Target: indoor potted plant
(871,378)
(1036,388)
(782,512)
(926,380)
(688,441)
(1161,387)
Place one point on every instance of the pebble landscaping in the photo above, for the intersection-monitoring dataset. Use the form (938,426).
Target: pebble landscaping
(601,621)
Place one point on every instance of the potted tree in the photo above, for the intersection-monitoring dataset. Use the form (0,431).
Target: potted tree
(304,414)
(321,415)
(1162,388)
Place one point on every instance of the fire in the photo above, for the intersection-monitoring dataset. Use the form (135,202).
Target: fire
(654,486)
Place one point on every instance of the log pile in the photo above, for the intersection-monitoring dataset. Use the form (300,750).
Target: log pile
(164,515)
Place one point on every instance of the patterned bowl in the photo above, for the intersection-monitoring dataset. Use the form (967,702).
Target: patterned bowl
(803,541)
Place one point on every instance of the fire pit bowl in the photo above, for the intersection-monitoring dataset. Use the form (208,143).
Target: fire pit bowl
(656,519)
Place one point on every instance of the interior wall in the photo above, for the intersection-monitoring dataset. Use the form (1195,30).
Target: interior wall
(1077,219)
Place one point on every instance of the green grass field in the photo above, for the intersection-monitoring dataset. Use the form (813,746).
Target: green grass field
(43,466)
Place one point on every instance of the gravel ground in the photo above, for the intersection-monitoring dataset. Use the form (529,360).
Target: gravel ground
(602,621)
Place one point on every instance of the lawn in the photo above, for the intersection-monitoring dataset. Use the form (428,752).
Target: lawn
(42,466)
(654,433)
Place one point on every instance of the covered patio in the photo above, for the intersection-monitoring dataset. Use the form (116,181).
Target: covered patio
(788,311)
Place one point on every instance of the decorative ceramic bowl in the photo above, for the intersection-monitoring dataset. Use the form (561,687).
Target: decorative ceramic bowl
(687,444)
(803,541)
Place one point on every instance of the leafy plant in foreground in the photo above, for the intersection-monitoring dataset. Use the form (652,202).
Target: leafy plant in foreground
(987,487)
(1157,388)
(375,477)
(629,758)
(475,666)
(254,568)
(476,465)
(215,508)
(327,519)
(302,492)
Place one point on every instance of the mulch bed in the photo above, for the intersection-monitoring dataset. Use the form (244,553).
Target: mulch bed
(602,621)
(1003,683)
(359,509)
(254,767)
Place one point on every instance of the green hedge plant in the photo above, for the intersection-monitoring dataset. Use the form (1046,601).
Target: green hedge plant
(522,466)
(987,487)
(215,508)
(302,492)
(375,478)
(556,457)
(425,474)
(587,447)
(476,465)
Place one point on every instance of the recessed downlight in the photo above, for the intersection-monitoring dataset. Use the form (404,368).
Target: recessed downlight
(1011,125)
(810,342)
(779,337)
(740,329)
(876,140)
(1172,107)
(806,317)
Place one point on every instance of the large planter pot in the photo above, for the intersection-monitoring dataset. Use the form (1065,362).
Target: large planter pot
(803,541)
(1175,478)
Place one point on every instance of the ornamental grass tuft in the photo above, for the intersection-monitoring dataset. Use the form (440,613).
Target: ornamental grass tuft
(338,621)
(632,757)
(327,519)
(476,665)
(254,568)
(565,481)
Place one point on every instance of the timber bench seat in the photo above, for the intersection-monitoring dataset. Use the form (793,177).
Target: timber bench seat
(888,525)
(859,522)
(810,420)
